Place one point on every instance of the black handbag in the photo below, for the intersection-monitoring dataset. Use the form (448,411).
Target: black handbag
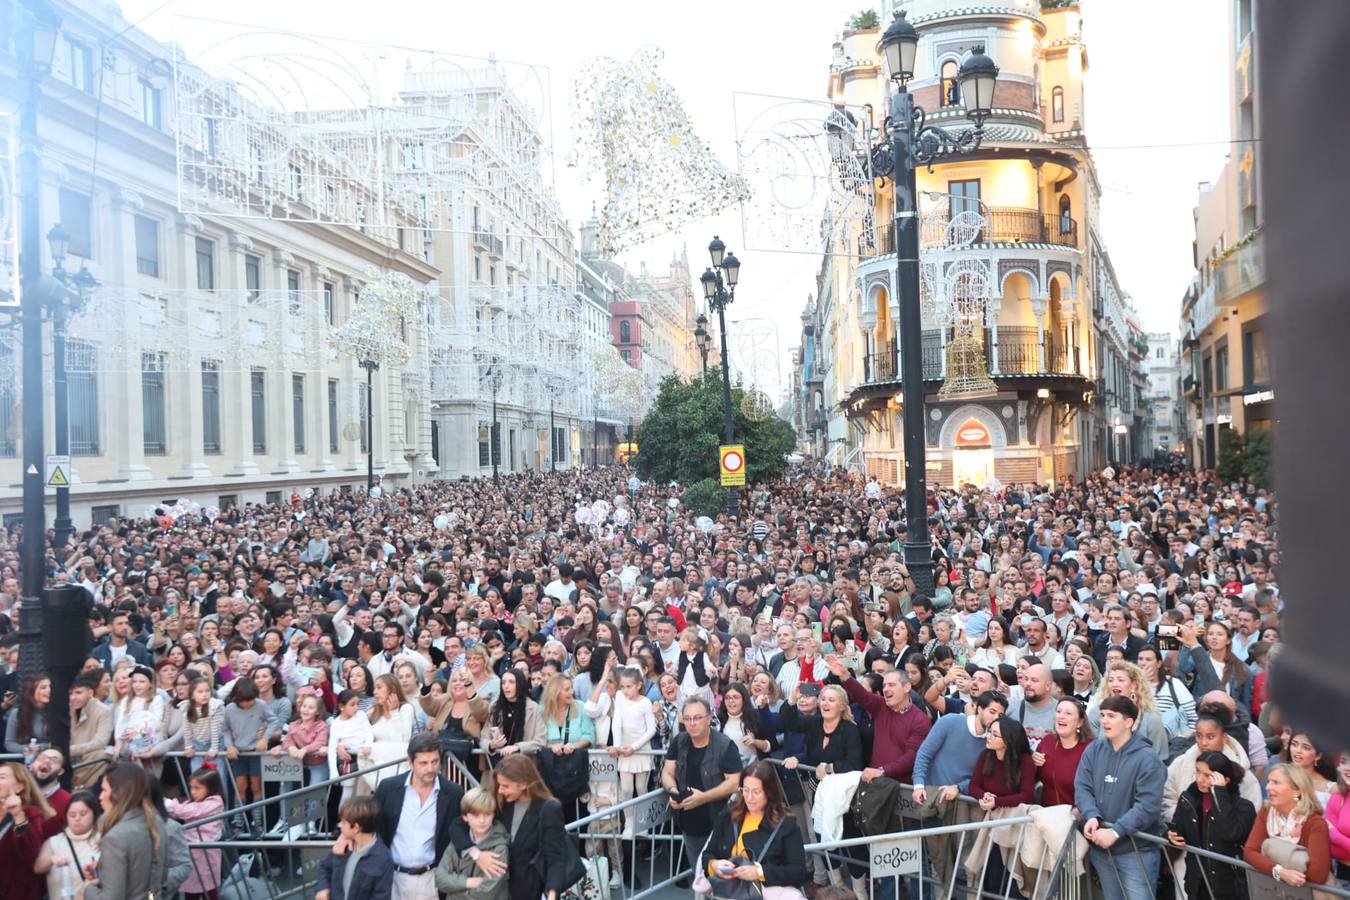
(736,888)
(457,744)
(567,775)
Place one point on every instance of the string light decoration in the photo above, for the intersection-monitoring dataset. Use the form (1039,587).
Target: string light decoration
(809,175)
(375,330)
(756,405)
(9,212)
(956,284)
(618,383)
(272,124)
(659,175)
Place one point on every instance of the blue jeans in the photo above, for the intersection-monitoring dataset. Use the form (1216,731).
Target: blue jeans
(1129,875)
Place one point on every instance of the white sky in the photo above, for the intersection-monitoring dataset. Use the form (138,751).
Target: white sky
(1147,86)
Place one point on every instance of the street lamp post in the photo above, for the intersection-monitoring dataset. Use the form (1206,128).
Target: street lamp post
(370,365)
(68,295)
(908,144)
(719,289)
(495,381)
(702,339)
(34,45)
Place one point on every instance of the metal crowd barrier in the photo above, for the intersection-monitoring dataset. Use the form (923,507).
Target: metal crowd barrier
(932,858)
(287,853)
(1179,860)
(622,837)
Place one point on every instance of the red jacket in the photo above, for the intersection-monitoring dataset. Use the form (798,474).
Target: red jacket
(18,852)
(59,801)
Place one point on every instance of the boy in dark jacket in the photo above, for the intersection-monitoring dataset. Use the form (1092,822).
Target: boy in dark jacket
(360,867)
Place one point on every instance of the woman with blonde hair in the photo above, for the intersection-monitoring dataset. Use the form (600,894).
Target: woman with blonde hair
(392,722)
(567,729)
(130,833)
(1127,680)
(27,810)
(485,684)
(1290,841)
(833,744)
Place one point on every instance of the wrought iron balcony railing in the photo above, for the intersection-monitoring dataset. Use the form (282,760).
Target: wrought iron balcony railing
(1006,225)
(1018,351)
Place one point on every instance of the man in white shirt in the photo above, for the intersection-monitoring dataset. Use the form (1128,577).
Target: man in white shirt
(382,663)
(562,588)
(417,809)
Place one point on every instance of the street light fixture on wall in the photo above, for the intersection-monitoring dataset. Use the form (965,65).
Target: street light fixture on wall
(909,143)
(719,288)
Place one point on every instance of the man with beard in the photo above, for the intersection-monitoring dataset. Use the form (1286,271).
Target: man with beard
(46,769)
(1036,711)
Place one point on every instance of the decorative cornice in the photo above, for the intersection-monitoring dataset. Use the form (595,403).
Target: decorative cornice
(125,198)
(351,283)
(240,241)
(985,10)
(190,224)
(283,256)
(57,171)
(319,270)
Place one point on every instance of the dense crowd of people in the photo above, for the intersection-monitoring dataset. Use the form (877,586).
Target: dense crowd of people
(1099,648)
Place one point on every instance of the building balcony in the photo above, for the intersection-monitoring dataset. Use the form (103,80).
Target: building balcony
(481,239)
(1241,272)
(1018,360)
(496,247)
(1007,225)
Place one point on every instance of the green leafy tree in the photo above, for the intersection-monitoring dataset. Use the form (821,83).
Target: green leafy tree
(679,437)
(1260,453)
(863,20)
(1232,464)
(705,498)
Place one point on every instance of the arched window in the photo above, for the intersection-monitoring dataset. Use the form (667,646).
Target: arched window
(1057,104)
(951,88)
(1065,215)
(625,333)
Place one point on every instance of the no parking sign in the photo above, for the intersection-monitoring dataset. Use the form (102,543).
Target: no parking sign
(732,457)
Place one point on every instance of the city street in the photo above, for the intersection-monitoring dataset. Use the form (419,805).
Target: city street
(455,454)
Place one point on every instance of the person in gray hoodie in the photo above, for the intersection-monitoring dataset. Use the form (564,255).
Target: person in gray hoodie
(1119,790)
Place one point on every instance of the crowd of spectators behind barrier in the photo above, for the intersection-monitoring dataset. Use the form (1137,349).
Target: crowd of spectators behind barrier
(1101,647)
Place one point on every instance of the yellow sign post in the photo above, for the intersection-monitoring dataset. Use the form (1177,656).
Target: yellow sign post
(732,457)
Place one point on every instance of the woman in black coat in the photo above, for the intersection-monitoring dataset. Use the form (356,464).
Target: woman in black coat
(1212,815)
(740,846)
(543,860)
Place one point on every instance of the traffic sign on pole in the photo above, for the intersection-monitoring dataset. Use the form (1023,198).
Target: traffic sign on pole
(732,458)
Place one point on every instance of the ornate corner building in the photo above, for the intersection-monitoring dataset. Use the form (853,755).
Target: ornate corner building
(1055,327)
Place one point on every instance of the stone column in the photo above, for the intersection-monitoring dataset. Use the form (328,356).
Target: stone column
(236,384)
(1038,307)
(120,385)
(318,392)
(280,413)
(349,393)
(995,307)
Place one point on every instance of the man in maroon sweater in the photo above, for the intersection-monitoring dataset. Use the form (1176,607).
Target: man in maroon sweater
(900,725)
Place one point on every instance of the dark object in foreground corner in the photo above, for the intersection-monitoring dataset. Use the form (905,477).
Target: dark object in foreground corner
(1304,128)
